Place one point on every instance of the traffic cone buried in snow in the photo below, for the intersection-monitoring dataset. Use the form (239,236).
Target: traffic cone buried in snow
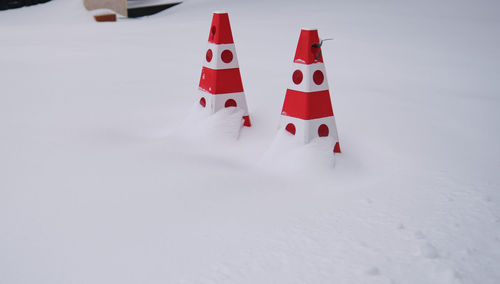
(220,81)
(307,110)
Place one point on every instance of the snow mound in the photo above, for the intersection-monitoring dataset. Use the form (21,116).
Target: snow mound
(221,127)
(288,154)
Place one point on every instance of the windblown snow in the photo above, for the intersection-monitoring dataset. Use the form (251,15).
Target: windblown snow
(110,172)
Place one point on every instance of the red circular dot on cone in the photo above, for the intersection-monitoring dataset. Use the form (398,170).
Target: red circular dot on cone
(290,128)
(230,103)
(297,77)
(203,102)
(318,77)
(227,56)
(209,55)
(323,130)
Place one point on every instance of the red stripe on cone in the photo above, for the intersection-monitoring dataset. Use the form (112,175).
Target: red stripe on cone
(305,52)
(309,105)
(221,81)
(220,31)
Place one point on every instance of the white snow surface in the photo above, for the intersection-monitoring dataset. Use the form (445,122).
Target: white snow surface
(110,172)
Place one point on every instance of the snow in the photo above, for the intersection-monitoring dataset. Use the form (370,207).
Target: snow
(111,173)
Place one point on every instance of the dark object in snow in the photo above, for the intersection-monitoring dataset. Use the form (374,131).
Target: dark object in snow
(150,10)
(12,4)
(131,8)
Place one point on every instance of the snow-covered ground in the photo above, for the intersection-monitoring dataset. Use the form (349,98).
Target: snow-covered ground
(109,173)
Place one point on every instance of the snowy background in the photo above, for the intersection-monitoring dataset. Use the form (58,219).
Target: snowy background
(109,173)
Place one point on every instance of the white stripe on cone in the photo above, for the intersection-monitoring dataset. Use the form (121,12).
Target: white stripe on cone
(307,130)
(217,102)
(308,85)
(217,50)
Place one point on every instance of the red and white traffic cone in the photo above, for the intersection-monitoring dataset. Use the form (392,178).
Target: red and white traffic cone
(307,110)
(220,80)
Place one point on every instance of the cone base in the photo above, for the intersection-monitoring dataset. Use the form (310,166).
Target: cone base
(247,122)
(336,149)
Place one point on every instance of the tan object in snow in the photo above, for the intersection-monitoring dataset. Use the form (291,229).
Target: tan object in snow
(119,6)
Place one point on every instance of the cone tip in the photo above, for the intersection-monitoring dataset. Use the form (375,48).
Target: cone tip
(309,29)
(220,12)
